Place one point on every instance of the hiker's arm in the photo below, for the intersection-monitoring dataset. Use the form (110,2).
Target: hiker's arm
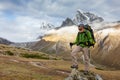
(90,37)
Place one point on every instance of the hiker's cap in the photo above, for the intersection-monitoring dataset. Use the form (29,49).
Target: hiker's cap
(81,25)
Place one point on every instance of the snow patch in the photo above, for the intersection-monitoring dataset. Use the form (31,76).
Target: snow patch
(103,25)
(105,32)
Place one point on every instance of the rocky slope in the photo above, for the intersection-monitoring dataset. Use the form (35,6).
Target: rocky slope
(5,41)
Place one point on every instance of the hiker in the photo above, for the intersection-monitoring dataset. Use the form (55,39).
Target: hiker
(83,41)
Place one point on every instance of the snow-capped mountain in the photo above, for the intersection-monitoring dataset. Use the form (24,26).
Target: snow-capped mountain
(86,17)
(46,26)
(82,17)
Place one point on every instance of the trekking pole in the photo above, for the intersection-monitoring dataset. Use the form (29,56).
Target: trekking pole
(70,47)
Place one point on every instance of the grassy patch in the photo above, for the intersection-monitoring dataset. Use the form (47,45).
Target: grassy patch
(37,56)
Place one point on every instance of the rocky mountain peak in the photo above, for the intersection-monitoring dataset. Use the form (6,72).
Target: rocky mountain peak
(86,17)
(67,22)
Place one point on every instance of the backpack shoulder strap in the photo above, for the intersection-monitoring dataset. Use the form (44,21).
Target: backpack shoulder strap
(78,35)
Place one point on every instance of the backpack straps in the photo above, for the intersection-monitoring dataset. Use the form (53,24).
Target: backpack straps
(78,35)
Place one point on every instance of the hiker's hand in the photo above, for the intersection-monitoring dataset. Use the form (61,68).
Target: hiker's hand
(71,44)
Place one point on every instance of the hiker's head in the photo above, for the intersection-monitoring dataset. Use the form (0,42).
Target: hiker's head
(81,27)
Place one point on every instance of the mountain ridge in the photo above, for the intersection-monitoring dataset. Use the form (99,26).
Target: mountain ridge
(82,17)
(5,41)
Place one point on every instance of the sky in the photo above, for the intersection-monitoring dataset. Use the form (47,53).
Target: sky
(20,20)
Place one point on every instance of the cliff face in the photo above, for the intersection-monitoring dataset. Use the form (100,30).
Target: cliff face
(107,47)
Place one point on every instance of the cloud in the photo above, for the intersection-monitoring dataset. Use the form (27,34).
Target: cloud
(23,29)
(59,8)
(20,19)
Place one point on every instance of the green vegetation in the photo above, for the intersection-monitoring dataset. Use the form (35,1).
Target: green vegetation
(39,56)
(9,53)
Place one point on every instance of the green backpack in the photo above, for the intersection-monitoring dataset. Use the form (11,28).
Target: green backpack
(87,27)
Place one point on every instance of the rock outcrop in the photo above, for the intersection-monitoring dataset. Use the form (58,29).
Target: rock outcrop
(81,75)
